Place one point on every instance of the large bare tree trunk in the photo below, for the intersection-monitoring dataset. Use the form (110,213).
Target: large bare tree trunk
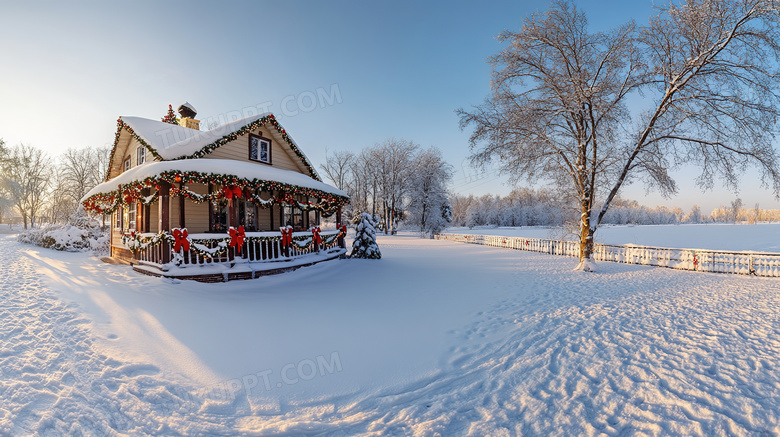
(586,238)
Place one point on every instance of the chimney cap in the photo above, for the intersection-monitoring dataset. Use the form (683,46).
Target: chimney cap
(186,110)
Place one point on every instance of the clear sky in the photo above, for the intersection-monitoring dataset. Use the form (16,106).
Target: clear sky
(338,74)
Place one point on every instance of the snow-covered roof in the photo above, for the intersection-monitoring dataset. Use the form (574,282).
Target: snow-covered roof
(169,141)
(174,141)
(240,169)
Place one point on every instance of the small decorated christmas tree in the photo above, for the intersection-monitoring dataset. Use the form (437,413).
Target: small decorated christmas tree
(365,245)
(170,117)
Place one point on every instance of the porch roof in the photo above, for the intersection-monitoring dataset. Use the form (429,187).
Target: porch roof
(239,169)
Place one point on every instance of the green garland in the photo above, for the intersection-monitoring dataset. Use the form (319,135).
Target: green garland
(120,124)
(107,203)
(205,150)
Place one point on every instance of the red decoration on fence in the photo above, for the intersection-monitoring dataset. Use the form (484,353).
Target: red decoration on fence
(315,235)
(286,236)
(180,240)
(343,229)
(695,261)
(237,237)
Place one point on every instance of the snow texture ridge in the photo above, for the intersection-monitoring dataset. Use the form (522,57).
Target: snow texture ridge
(438,339)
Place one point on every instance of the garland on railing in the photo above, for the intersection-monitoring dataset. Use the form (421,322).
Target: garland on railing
(179,239)
(125,194)
(205,150)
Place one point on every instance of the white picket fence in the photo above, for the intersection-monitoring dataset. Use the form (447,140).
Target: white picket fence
(702,260)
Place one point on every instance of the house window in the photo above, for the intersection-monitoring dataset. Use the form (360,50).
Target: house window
(293,217)
(141,155)
(219,217)
(259,149)
(118,215)
(127,164)
(130,217)
(246,215)
(131,210)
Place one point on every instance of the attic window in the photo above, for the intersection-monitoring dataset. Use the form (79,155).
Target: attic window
(127,164)
(259,149)
(141,155)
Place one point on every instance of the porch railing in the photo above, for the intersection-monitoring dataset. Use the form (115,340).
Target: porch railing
(703,260)
(267,249)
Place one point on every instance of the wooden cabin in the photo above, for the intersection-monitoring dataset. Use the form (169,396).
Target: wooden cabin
(237,201)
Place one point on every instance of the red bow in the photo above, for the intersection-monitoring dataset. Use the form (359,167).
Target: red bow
(231,191)
(237,237)
(315,235)
(343,229)
(180,240)
(286,236)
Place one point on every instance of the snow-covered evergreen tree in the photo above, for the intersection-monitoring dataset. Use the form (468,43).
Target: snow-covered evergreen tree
(365,245)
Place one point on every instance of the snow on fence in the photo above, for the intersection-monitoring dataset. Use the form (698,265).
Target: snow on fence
(701,260)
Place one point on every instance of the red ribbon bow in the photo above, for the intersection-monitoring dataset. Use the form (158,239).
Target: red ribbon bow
(343,229)
(237,237)
(180,240)
(286,236)
(231,191)
(315,235)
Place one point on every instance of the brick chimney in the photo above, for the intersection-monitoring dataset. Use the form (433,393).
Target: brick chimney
(188,114)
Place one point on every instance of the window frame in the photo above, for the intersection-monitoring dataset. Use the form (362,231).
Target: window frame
(140,155)
(259,139)
(126,165)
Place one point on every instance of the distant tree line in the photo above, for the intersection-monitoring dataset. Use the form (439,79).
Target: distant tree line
(529,207)
(45,189)
(397,181)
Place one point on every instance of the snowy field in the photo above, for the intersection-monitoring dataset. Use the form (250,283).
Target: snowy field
(763,237)
(436,339)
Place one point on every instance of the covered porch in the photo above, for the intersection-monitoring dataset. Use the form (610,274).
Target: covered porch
(172,219)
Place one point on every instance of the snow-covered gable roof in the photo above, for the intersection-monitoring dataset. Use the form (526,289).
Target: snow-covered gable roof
(173,142)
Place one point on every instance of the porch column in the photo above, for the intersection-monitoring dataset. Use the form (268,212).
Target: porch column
(164,215)
(181,206)
(342,243)
(271,212)
(145,226)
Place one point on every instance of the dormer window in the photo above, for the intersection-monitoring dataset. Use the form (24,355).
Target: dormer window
(127,164)
(141,155)
(259,149)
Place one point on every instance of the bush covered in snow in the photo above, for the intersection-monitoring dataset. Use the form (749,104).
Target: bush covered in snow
(80,234)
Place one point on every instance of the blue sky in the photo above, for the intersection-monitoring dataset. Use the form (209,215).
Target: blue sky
(381,69)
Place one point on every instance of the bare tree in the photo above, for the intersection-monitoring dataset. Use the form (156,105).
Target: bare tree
(26,177)
(707,70)
(83,169)
(428,202)
(396,164)
(61,204)
(337,168)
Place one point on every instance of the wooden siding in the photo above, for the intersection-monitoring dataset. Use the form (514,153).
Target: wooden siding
(154,218)
(121,152)
(196,215)
(281,155)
